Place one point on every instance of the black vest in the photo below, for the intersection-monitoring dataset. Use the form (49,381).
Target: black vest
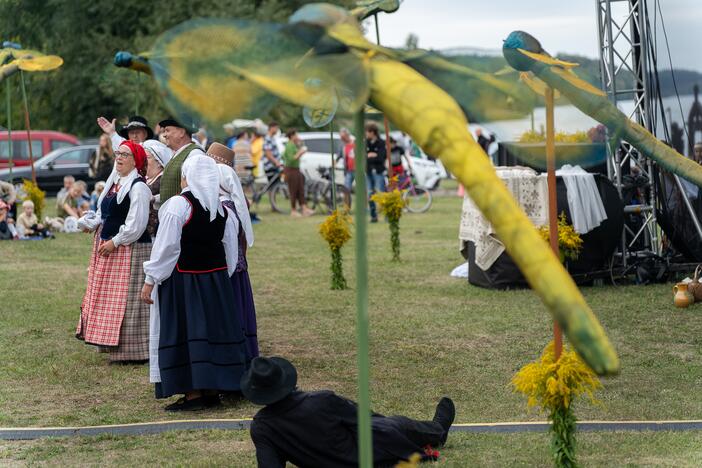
(201,247)
(115,214)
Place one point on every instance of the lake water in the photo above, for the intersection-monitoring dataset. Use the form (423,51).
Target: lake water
(569,119)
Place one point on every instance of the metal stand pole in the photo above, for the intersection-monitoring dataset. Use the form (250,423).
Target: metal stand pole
(365,441)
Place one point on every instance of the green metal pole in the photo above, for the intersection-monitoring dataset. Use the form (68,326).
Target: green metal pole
(138,92)
(333,163)
(365,441)
(9,124)
(29,133)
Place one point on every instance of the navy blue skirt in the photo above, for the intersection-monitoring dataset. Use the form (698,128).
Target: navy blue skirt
(245,311)
(200,346)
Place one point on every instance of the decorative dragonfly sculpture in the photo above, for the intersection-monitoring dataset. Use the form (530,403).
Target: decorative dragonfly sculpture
(213,70)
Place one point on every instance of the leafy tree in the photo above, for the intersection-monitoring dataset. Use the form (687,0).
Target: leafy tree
(412,41)
(87,33)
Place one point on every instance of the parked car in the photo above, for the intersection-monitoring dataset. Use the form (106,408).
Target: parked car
(43,142)
(427,172)
(51,169)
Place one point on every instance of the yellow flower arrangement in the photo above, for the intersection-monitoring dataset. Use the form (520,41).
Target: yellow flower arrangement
(569,242)
(553,385)
(532,136)
(336,230)
(391,204)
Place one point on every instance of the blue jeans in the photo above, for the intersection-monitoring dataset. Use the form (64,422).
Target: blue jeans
(376,183)
(348,179)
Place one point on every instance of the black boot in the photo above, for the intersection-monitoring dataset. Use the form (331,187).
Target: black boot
(373,212)
(444,415)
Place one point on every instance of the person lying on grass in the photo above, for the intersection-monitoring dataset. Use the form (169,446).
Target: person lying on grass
(319,429)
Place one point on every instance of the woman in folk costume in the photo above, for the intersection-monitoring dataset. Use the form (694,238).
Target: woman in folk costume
(157,156)
(112,316)
(232,197)
(197,345)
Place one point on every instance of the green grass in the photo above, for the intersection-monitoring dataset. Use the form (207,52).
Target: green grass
(234,448)
(431,335)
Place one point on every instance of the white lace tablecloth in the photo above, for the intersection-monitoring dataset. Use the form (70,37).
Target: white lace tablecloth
(529,188)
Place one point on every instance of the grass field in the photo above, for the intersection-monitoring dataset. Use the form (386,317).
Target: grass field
(431,335)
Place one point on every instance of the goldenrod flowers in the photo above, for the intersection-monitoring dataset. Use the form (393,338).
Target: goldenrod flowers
(391,204)
(569,242)
(336,230)
(553,385)
(532,136)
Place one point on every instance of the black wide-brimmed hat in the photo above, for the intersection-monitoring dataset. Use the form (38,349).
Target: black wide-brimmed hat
(135,122)
(172,122)
(268,380)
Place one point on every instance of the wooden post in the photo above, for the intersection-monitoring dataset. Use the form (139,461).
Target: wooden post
(365,440)
(9,125)
(333,164)
(552,198)
(385,119)
(29,133)
(388,150)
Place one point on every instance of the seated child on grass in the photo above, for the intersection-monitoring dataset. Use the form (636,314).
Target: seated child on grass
(28,223)
(7,227)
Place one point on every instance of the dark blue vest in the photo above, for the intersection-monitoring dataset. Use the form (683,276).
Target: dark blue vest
(115,214)
(201,247)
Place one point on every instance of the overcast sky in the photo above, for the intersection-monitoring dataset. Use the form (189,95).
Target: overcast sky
(561,25)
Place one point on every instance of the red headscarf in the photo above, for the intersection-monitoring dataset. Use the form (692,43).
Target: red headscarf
(139,155)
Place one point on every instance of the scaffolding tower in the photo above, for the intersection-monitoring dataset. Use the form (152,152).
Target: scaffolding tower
(624,41)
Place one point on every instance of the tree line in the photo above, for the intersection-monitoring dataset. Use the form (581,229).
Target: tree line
(87,34)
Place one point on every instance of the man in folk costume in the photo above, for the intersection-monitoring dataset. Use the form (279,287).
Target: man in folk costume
(178,138)
(137,130)
(319,429)
(112,316)
(197,346)
(231,194)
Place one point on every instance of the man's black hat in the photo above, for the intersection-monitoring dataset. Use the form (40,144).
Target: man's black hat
(135,122)
(268,380)
(172,122)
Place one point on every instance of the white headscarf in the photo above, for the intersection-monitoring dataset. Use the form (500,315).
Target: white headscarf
(125,184)
(202,176)
(230,185)
(158,150)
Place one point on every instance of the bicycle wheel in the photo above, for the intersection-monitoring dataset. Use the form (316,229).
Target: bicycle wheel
(280,198)
(418,199)
(343,198)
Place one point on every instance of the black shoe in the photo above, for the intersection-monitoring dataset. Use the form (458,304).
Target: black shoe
(444,415)
(374,220)
(196,404)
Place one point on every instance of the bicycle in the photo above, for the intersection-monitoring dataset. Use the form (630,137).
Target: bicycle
(257,191)
(417,199)
(318,193)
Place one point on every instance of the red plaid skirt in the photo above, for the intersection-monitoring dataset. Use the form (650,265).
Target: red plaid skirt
(105,300)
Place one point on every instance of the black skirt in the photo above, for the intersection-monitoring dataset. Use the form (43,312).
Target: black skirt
(201,344)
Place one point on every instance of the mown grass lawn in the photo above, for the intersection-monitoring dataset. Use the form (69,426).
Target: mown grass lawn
(431,335)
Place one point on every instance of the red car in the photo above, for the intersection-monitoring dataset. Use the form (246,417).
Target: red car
(43,142)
